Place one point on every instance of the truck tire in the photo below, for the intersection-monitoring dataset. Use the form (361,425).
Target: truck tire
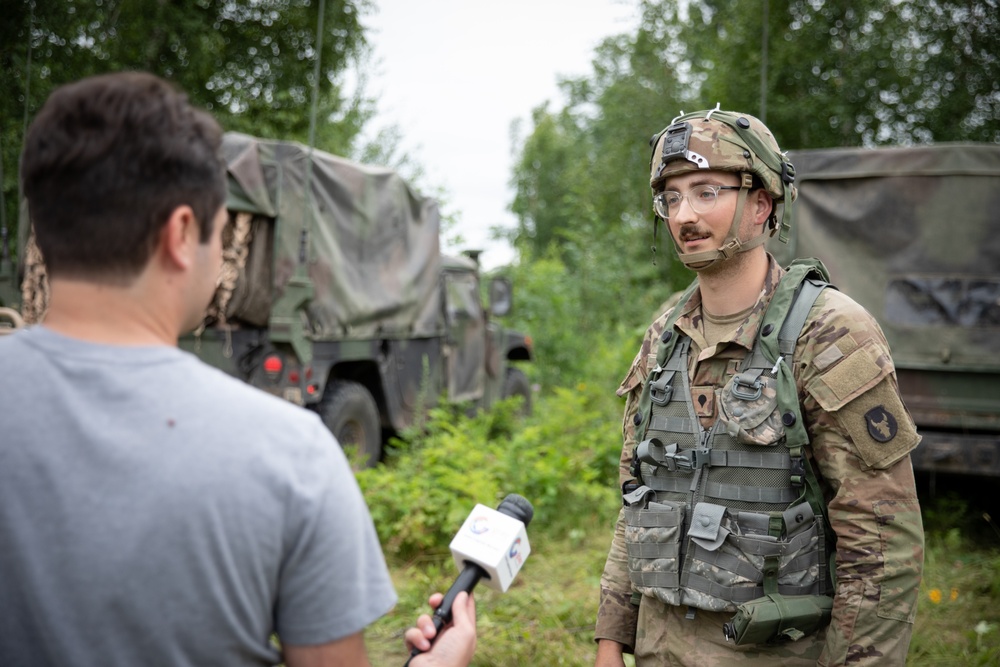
(516,384)
(10,321)
(349,411)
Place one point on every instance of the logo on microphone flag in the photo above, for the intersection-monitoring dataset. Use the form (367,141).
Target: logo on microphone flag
(479,525)
(515,551)
(496,542)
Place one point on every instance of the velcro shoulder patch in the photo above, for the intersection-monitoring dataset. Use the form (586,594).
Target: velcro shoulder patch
(879,426)
(848,370)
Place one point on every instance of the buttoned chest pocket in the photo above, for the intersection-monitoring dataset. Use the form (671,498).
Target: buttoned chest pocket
(748,406)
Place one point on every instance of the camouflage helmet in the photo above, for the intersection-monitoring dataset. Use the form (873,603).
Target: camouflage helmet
(724,141)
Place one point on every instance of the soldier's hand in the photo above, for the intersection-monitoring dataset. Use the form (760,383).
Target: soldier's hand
(609,654)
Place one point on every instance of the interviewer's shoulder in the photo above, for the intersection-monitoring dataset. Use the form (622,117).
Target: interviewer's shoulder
(229,394)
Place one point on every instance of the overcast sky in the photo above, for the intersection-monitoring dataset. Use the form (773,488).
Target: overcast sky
(453,74)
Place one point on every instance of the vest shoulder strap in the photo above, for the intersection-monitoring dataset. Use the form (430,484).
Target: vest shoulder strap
(780,310)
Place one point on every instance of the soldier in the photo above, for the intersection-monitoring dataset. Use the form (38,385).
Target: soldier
(769,507)
(153,510)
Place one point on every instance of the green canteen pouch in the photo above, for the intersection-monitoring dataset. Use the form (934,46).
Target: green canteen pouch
(775,619)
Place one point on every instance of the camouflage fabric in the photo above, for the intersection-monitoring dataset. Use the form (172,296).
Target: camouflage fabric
(720,144)
(874,216)
(666,637)
(371,241)
(861,436)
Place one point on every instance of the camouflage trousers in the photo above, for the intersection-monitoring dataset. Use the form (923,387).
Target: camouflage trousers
(666,637)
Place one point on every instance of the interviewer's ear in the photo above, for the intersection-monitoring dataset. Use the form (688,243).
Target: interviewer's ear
(180,237)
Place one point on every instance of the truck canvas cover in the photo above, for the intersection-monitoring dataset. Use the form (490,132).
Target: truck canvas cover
(913,234)
(370,242)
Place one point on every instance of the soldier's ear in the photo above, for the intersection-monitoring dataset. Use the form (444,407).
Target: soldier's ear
(763,205)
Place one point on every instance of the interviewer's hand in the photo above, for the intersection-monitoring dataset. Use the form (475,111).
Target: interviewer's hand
(457,643)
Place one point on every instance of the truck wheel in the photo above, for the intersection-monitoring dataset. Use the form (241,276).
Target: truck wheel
(516,384)
(350,412)
(10,320)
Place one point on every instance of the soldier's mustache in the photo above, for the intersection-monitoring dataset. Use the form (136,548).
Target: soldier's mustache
(690,232)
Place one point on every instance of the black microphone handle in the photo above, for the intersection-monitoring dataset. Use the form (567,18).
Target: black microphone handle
(515,506)
(466,581)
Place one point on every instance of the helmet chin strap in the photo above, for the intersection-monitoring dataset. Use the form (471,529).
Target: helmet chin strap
(699,261)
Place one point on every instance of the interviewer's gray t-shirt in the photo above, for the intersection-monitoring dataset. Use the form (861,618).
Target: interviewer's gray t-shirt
(155,511)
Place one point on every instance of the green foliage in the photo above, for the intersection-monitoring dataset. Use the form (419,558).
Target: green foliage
(559,459)
(837,74)
(958,614)
(563,459)
(249,62)
(846,74)
(546,618)
(585,327)
(582,194)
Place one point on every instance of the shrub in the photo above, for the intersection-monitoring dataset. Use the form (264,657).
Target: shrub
(563,459)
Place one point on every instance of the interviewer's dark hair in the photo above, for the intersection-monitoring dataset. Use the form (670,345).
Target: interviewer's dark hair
(105,162)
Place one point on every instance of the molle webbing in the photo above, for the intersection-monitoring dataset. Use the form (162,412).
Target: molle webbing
(717,491)
(694,459)
(726,477)
(787,311)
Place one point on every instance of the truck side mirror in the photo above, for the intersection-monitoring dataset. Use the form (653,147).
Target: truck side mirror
(501,297)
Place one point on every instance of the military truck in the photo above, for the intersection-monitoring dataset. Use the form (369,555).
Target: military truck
(913,234)
(10,295)
(335,295)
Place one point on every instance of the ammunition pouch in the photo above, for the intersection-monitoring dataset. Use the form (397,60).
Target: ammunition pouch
(776,618)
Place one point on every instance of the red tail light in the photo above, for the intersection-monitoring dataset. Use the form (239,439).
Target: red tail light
(272,365)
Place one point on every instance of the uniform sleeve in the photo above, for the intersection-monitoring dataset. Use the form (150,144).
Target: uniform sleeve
(617,617)
(861,436)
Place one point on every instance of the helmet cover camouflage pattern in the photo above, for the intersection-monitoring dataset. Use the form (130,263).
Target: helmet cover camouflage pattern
(725,141)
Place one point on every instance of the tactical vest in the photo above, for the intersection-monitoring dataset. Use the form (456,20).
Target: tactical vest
(719,517)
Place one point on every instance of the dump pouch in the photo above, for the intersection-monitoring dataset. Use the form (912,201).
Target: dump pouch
(776,618)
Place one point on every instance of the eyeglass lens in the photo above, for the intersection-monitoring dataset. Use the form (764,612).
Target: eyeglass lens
(701,198)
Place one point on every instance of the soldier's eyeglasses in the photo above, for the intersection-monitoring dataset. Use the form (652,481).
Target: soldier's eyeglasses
(702,199)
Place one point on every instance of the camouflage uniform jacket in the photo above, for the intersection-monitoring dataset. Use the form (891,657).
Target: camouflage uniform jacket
(843,370)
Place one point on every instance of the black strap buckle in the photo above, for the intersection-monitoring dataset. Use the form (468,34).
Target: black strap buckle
(797,472)
(787,172)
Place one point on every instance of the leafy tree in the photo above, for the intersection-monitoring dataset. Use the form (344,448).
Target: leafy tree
(837,73)
(583,201)
(251,62)
(842,73)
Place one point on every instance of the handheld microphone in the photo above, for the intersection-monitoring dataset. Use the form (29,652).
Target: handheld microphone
(491,545)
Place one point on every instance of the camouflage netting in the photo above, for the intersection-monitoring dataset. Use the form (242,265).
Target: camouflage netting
(236,237)
(236,295)
(913,234)
(35,285)
(372,248)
